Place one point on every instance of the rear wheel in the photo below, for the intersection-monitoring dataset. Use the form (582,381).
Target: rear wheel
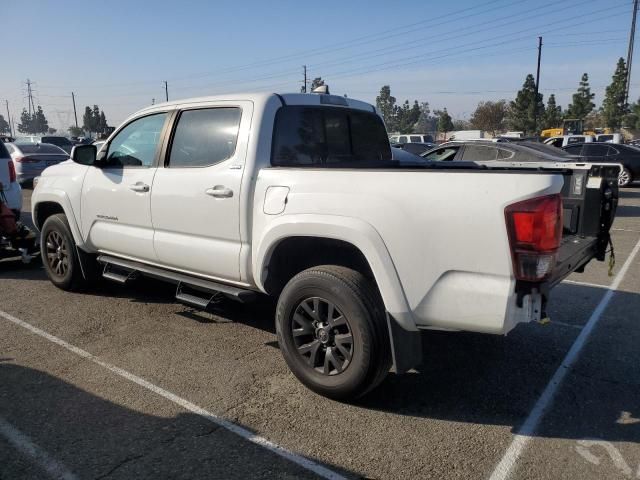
(59,254)
(332,333)
(624,177)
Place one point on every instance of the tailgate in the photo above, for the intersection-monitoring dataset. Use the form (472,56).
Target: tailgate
(590,199)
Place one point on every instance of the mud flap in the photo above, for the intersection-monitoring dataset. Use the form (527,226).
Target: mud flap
(406,347)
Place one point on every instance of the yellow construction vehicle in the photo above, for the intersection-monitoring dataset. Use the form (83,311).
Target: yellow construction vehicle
(572,126)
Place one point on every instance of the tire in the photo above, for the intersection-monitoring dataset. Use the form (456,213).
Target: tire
(59,254)
(624,177)
(333,368)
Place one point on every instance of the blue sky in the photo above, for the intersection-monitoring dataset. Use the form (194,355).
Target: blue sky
(452,54)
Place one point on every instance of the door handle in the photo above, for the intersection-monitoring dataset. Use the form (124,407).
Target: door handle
(139,187)
(219,191)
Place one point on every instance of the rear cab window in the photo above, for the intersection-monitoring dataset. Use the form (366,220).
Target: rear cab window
(329,137)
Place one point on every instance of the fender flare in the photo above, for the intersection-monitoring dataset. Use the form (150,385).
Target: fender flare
(357,232)
(61,198)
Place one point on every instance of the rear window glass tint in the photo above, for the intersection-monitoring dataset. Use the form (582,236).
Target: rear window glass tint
(41,148)
(329,136)
(4,153)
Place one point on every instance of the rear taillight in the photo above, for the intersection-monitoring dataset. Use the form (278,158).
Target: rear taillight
(12,171)
(535,231)
(26,160)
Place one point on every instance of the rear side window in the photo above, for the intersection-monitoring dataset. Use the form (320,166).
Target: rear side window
(574,150)
(403,139)
(571,140)
(415,138)
(596,150)
(328,136)
(205,137)
(4,153)
(479,153)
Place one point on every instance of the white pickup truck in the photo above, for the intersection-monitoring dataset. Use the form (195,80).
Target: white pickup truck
(297,196)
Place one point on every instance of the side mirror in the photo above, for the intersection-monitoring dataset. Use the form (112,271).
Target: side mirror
(84,154)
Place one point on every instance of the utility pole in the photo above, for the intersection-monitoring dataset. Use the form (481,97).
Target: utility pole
(73,98)
(535,105)
(304,84)
(153,101)
(9,118)
(632,35)
(166,91)
(30,97)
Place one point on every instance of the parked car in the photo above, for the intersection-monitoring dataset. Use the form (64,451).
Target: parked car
(9,186)
(62,142)
(411,138)
(609,138)
(626,155)
(6,139)
(415,148)
(564,140)
(31,159)
(298,196)
(485,151)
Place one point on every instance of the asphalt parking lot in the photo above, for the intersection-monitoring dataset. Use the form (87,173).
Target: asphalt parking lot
(127,383)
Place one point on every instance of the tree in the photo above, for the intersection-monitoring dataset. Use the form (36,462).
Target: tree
(426,122)
(552,114)
(102,123)
(444,122)
(632,119)
(75,131)
(316,82)
(26,122)
(521,115)
(490,116)
(4,125)
(461,124)
(594,120)
(40,123)
(87,120)
(386,105)
(614,107)
(582,100)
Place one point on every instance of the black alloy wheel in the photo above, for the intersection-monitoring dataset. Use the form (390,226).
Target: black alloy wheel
(322,335)
(57,252)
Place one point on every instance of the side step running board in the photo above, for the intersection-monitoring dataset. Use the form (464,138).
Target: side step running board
(120,277)
(198,284)
(195,300)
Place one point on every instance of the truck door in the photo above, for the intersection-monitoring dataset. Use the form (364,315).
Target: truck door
(116,197)
(195,203)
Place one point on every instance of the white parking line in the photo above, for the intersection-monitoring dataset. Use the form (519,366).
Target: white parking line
(24,445)
(187,405)
(525,433)
(584,284)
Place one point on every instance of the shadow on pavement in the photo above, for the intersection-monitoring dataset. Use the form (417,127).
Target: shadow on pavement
(497,380)
(97,438)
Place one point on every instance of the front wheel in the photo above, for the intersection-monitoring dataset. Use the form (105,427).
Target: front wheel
(332,332)
(59,254)
(624,177)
